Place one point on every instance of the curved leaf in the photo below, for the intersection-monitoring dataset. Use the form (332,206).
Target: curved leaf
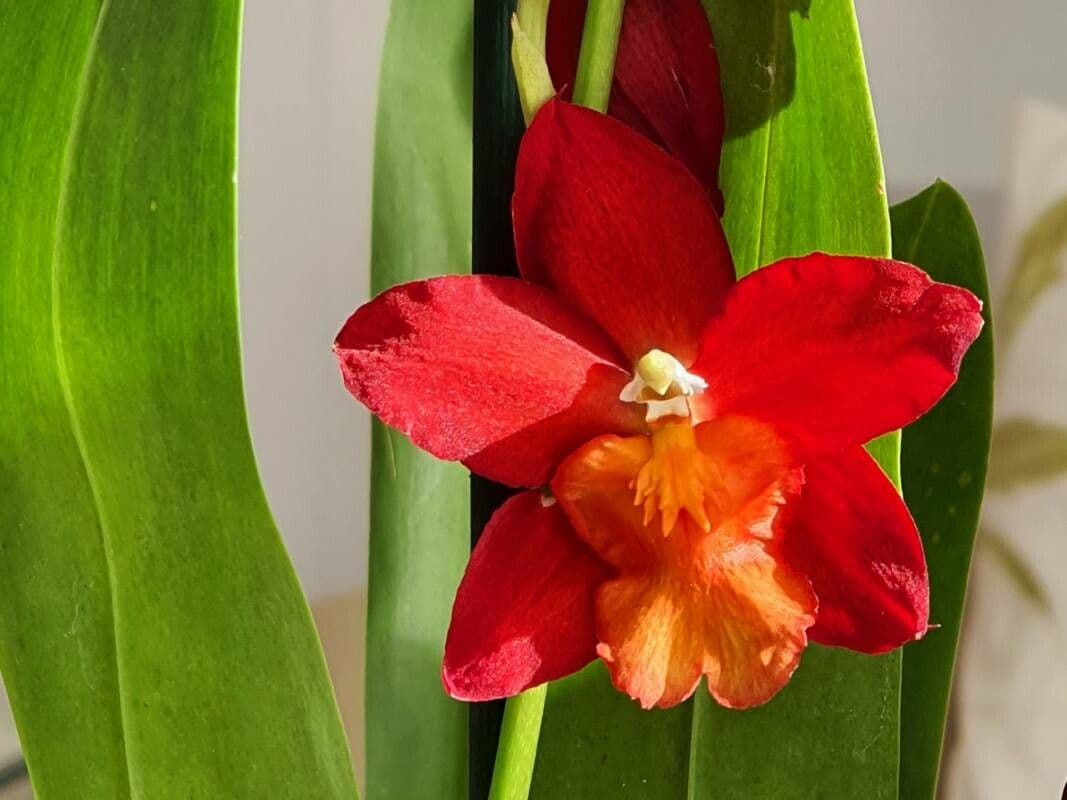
(57,649)
(944,458)
(420,519)
(148,605)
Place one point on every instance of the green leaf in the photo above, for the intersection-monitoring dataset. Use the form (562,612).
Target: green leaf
(57,649)
(944,458)
(153,636)
(420,519)
(596,742)
(1038,266)
(1026,451)
(801,171)
(801,160)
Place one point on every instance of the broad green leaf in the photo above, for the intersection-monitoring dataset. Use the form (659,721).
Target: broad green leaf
(801,172)
(1026,451)
(154,638)
(1038,266)
(420,521)
(57,648)
(596,742)
(944,458)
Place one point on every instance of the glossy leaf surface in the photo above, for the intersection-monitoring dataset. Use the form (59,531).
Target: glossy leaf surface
(62,678)
(153,635)
(944,458)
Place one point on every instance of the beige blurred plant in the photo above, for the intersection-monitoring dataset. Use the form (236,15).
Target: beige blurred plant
(1024,450)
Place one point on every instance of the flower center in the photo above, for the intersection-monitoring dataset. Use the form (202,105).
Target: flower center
(662,384)
(678,476)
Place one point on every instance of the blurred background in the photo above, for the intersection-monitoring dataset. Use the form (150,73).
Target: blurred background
(971,91)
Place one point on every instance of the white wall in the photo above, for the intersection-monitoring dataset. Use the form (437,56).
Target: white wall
(945,74)
(308,91)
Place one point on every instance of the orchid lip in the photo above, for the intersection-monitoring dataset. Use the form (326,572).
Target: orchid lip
(663,385)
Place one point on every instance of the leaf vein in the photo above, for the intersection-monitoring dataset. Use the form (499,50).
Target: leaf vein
(77,125)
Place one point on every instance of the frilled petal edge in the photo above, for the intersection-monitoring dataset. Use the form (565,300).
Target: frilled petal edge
(834,351)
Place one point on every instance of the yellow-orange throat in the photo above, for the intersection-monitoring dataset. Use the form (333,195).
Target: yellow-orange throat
(706,471)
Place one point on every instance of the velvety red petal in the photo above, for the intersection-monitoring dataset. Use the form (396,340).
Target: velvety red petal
(524,611)
(491,371)
(620,229)
(834,351)
(667,83)
(855,540)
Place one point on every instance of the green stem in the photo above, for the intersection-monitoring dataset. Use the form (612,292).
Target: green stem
(596,64)
(533,19)
(528,31)
(517,750)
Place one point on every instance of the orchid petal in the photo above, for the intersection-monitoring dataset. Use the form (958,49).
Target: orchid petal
(719,602)
(834,351)
(855,540)
(667,83)
(524,611)
(619,229)
(491,371)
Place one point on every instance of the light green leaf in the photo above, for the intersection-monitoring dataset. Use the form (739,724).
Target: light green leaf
(57,649)
(1026,451)
(1038,266)
(153,636)
(944,458)
(420,520)
(801,171)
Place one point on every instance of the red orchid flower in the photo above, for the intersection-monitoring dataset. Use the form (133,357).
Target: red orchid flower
(700,501)
(666,80)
